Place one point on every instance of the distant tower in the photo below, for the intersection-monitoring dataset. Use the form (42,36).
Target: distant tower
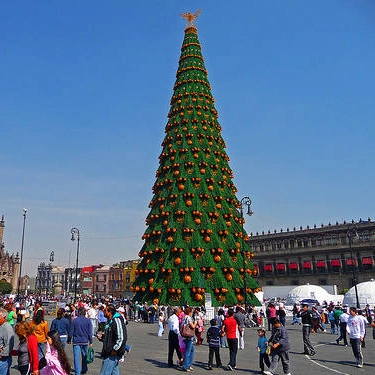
(195,246)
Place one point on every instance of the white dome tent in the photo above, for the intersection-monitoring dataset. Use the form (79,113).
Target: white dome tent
(314,292)
(366,294)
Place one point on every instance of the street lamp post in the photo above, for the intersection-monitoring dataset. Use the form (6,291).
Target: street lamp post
(22,243)
(75,232)
(245,202)
(352,231)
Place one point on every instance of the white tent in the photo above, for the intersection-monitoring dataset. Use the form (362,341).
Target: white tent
(308,291)
(366,294)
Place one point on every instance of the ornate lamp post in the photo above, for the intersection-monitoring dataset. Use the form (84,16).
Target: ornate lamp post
(352,231)
(75,232)
(245,202)
(23,241)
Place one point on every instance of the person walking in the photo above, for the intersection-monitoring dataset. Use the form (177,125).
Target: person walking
(114,341)
(307,328)
(343,320)
(102,320)
(357,331)
(81,334)
(173,335)
(6,343)
(189,341)
(39,326)
(62,326)
(27,350)
(231,330)
(280,348)
(264,359)
(92,314)
(56,358)
(240,319)
(213,338)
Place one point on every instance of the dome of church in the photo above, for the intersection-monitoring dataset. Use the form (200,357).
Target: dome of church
(366,294)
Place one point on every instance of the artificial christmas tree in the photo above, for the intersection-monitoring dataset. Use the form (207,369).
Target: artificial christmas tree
(194,241)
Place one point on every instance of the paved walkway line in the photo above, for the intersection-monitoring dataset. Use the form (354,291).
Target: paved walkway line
(326,367)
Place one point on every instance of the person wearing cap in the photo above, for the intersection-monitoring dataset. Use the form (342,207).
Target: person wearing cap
(307,328)
(280,348)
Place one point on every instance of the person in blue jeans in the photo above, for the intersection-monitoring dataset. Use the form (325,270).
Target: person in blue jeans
(81,334)
(189,341)
(114,341)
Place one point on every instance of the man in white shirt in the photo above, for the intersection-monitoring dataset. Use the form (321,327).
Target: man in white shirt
(174,332)
(343,320)
(357,331)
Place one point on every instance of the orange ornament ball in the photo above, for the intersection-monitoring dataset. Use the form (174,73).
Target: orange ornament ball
(189,203)
(228,277)
(197,221)
(176,173)
(152,289)
(181,186)
(150,281)
(210,187)
(170,239)
(198,297)
(187,278)
(218,206)
(177,261)
(203,171)
(217,258)
(207,239)
(239,297)
(195,155)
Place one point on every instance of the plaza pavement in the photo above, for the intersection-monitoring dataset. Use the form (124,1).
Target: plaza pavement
(149,354)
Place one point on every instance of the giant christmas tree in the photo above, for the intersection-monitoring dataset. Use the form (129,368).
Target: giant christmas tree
(194,241)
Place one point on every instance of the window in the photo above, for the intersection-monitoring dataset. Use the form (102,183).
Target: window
(273,246)
(286,244)
(328,240)
(278,245)
(319,241)
(305,243)
(291,244)
(299,243)
(105,278)
(313,242)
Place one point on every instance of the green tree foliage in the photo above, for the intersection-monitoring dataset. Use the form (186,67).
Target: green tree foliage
(5,287)
(194,241)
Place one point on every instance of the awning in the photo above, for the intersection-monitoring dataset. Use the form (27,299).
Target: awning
(320,264)
(268,267)
(306,265)
(351,262)
(367,260)
(335,263)
(280,266)
(293,266)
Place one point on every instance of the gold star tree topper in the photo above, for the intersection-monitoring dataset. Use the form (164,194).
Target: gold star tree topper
(190,17)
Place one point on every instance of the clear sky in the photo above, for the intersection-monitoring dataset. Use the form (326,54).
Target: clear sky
(84,96)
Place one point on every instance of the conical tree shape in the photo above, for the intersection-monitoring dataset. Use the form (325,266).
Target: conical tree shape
(194,241)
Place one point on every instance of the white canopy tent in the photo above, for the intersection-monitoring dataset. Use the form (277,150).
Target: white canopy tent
(366,294)
(308,291)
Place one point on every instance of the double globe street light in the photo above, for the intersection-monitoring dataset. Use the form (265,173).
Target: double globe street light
(244,202)
(75,232)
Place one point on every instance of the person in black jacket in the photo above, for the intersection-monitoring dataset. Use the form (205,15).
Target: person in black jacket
(307,328)
(280,348)
(114,341)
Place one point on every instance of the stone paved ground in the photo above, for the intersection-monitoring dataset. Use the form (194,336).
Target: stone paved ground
(149,355)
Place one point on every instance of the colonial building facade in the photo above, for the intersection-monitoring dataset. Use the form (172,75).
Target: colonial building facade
(340,254)
(9,263)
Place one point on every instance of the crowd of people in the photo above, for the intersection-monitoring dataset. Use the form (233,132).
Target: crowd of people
(42,348)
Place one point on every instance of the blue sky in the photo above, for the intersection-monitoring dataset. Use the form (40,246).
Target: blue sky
(85,90)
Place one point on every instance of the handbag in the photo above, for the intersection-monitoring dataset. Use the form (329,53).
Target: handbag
(186,331)
(269,349)
(90,355)
(42,363)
